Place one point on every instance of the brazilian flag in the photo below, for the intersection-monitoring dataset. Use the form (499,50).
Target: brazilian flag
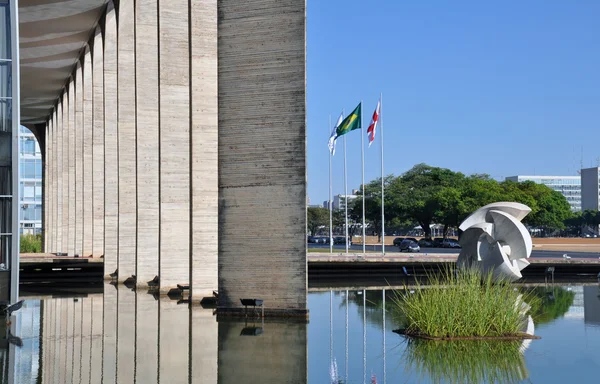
(351,122)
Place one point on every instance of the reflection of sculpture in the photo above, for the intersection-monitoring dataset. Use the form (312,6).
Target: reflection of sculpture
(494,239)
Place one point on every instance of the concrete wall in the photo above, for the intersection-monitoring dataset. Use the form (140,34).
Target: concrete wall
(262,148)
(98,147)
(71,184)
(79,160)
(88,126)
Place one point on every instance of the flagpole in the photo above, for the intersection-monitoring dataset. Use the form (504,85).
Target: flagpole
(346,194)
(382,184)
(362,152)
(330,202)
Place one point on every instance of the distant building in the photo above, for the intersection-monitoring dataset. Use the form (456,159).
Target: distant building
(339,201)
(590,189)
(568,186)
(30,183)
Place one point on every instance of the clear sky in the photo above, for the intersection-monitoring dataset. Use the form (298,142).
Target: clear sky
(505,87)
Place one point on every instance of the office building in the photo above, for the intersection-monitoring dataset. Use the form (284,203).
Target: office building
(568,186)
(30,183)
(590,189)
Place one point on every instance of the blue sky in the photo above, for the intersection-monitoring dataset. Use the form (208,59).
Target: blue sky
(504,88)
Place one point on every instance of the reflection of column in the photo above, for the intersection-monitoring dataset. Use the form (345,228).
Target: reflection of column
(111,156)
(96,346)
(204,146)
(88,121)
(146,343)
(126,134)
(71,178)
(279,354)
(173,341)
(146,55)
(174,143)
(384,352)
(79,160)
(125,335)
(77,339)
(86,339)
(70,340)
(98,147)
(55,351)
(204,346)
(109,324)
(62,341)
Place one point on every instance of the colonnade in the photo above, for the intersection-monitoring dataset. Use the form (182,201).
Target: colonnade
(178,144)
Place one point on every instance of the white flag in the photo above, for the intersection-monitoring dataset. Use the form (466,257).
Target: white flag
(333,136)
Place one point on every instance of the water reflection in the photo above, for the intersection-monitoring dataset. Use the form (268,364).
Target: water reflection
(466,361)
(123,336)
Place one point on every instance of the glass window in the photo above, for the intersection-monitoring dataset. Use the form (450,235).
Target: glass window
(38,168)
(5,30)
(28,169)
(29,192)
(5,78)
(5,114)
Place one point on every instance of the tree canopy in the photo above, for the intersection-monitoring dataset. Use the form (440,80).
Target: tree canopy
(425,195)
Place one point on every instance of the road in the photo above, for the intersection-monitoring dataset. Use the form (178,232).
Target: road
(391,248)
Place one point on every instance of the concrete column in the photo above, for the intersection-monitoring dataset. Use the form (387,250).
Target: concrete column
(71,184)
(148,220)
(204,334)
(146,344)
(79,128)
(262,153)
(46,182)
(126,335)
(98,147)
(54,180)
(59,169)
(88,137)
(47,189)
(174,143)
(109,334)
(204,148)
(111,156)
(173,342)
(51,195)
(127,145)
(65,173)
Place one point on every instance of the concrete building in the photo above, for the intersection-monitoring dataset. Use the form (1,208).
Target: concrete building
(339,201)
(30,183)
(152,118)
(590,189)
(569,186)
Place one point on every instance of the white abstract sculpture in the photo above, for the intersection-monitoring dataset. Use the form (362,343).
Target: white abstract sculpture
(494,239)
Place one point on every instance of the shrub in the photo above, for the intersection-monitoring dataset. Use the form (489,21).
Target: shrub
(31,243)
(465,304)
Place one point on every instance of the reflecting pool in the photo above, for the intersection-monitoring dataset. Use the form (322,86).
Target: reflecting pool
(122,336)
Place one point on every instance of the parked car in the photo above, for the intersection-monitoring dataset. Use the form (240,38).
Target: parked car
(339,240)
(409,246)
(425,243)
(437,242)
(411,238)
(310,239)
(450,243)
(321,240)
(398,240)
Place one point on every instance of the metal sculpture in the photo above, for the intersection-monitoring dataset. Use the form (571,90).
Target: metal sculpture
(494,240)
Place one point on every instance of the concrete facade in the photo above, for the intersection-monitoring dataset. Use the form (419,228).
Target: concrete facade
(165,117)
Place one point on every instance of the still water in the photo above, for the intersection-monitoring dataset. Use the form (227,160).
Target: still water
(121,336)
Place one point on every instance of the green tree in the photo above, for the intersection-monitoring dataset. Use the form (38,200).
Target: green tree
(315,218)
(373,205)
(549,208)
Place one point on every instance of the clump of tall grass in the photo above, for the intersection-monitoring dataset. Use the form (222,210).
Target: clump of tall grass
(462,304)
